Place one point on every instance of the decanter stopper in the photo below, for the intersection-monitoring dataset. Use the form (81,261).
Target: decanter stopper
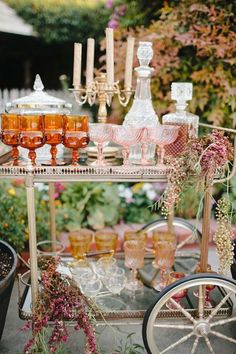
(181,91)
(145,53)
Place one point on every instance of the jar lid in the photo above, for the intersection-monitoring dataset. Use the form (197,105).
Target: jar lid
(38,102)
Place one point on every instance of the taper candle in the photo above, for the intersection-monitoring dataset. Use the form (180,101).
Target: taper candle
(110,56)
(77,64)
(129,62)
(90,61)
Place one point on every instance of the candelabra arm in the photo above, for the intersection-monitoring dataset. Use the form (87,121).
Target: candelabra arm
(123,95)
(80,94)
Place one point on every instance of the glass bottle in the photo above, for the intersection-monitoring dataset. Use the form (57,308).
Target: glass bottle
(181,92)
(141,113)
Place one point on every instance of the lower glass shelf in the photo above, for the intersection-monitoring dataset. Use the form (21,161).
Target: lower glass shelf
(129,307)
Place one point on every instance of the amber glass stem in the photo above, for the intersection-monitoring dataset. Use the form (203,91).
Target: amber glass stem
(15,155)
(163,277)
(53,152)
(75,157)
(32,156)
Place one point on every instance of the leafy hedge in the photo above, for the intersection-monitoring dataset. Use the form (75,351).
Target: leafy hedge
(194,41)
(63,20)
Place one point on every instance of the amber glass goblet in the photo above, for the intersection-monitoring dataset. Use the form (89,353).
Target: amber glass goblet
(32,134)
(53,136)
(75,134)
(11,134)
(134,259)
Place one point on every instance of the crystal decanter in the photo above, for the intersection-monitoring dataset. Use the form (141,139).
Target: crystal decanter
(181,92)
(142,113)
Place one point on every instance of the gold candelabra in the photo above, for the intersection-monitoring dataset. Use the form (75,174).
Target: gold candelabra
(102,92)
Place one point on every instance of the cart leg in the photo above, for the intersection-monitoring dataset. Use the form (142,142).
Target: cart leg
(32,238)
(205,229)
(52,215)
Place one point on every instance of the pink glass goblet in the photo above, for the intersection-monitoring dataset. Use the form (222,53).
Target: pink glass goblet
(163,135)
(173,277)
(165,257)
(134,259)
(100,134)
(126,137)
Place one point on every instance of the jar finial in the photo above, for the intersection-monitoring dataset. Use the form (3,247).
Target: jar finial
(38,85)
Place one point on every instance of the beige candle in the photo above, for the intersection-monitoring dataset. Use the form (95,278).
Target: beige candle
(90,61)
(110,56)
(129,62)
(77,65)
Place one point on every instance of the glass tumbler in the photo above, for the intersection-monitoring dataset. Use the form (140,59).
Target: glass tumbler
(80,243)
(106,241)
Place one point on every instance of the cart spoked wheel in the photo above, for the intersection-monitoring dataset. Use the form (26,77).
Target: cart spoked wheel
(192,316)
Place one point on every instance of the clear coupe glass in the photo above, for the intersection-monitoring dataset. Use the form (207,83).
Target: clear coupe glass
(126,137)
(101,135)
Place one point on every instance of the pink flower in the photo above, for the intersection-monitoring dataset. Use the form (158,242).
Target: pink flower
(113,23)
(109,4)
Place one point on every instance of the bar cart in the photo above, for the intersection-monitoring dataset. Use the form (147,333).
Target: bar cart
(192,317)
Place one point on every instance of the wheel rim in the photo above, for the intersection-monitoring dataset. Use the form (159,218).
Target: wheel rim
(200,328)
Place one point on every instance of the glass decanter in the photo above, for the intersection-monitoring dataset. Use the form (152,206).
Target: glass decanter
(142,113)
(181,92)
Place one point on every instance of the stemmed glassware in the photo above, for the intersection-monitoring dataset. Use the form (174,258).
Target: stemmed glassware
(134,259)
(173,277)
(127,137)
(53,135)
(75,134)
(101,135)
(32,134)
(162,135)
(165,257)
(11,134)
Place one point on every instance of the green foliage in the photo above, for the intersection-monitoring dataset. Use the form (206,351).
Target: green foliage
(128,347)
(193,41)
(13,215)
(93,205)
(63,21)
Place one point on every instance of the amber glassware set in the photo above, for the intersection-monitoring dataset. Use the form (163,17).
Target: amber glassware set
(33,131)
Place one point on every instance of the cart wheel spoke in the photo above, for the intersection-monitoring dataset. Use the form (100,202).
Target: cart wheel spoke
(220,335)
(209,345)
(221,303)
(183,243)
(222,322)
(184,312)
(201,300)
(182,340)
(194,347)
(176,326)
